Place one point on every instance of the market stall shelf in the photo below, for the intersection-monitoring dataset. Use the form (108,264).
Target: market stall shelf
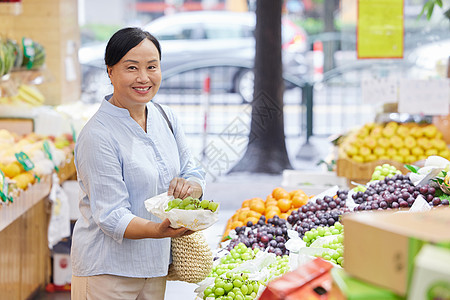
(25,257)
(9,212)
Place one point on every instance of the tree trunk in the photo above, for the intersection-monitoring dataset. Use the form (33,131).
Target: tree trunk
(266,151)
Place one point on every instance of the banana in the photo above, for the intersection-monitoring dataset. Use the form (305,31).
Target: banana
(32,92)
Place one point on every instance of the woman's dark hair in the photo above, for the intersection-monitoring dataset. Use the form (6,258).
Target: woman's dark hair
(123,41)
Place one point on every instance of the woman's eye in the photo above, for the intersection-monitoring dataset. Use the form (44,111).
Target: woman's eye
(151,67)
(131,67)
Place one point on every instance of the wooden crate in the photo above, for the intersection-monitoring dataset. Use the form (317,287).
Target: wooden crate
(362,172)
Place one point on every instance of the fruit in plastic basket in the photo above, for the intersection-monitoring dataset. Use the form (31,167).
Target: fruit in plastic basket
(394,193)
(190,203)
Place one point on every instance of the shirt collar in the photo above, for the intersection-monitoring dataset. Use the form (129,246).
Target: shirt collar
(113,110)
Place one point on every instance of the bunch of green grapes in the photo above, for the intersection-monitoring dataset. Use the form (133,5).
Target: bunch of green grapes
(335,250)
(359,188)
(239,254)
(190,203)
(383,171)
(278,268)
(233,286)
(315,233)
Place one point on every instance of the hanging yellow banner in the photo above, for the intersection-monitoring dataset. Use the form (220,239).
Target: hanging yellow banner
(380,29)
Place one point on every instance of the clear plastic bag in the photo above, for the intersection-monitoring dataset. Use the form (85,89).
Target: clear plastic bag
(191,219)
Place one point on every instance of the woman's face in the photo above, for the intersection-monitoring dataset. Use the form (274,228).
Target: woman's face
(137,76)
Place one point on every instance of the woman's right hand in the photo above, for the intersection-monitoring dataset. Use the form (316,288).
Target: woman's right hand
(167,231)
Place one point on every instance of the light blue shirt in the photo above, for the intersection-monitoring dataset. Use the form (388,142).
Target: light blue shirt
(119,166)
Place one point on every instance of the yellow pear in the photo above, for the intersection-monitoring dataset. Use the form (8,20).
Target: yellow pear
(380,151)
(396,142)
(438,144)
(388,132)
(424,143)
(430,131)
(364,152)
(377,131)
(445,153)
(410,159)
(392,124)
(370,142)
(351,150)
(362,132)
(391,152)
(409,142)
(416,131)
(431,152)
(402,130)
(417,151)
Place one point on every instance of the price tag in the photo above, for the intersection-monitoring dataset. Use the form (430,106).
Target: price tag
(74,134)
(28,51)
(48,153)
(3,187)
(25,161)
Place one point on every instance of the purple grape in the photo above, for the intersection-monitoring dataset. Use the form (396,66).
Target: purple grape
(431,190)
(444,202)
(436,201)
(395,205)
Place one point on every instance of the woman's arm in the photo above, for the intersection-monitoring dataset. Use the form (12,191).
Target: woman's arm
(140,228)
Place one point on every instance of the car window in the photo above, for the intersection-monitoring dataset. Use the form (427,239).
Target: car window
(218,31)
(180,32)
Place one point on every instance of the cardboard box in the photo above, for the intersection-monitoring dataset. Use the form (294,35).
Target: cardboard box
(431,278)
(380,246)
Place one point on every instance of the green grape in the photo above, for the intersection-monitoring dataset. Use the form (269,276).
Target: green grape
(244,289)
(228,286)
(237,283)
(213,206)
(204,204)
(219,291)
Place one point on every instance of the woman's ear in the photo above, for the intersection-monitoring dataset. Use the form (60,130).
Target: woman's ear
(109,70)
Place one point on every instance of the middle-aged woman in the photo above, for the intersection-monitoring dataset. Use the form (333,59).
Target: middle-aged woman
(126,153)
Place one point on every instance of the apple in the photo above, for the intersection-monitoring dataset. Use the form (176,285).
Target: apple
(377,131)
(384,142)
(370,142)
(416,131)
(438,144)
(388,132)
(431,152)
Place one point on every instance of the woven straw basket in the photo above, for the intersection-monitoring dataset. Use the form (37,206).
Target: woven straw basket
(192,258)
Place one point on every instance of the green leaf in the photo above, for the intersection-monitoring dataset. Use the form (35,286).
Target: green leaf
(412,168)
(430,12)
(439,2)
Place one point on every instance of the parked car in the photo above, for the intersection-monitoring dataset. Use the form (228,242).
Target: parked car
(219,43)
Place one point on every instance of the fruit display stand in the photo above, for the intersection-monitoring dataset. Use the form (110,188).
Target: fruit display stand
(23,236)
(25,255)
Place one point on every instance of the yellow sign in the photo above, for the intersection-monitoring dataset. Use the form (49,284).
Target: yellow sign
(380,29)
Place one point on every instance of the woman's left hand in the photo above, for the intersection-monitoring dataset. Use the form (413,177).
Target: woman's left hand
(182,188)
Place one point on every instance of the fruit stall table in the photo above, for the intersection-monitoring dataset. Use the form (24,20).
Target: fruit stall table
(25,257)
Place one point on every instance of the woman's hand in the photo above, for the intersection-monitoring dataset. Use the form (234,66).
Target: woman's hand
(140,228)
(182,188)
(167,231)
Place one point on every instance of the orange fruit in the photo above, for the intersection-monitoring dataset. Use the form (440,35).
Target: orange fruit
(284,205)
(271,214)
(254,214)
(279,193)
(271,202)
(299,200)
(269,198)
(242,214)
(272,208)
(236,224)
(258,206)
(246,203)
(251,219)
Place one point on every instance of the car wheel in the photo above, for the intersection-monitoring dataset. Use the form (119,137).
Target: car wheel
(244,85)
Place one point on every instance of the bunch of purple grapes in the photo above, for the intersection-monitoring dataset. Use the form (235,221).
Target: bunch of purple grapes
(394,192)
(271,235)
(324,212)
